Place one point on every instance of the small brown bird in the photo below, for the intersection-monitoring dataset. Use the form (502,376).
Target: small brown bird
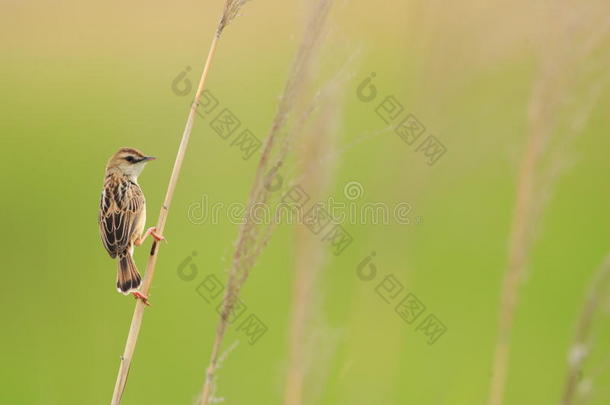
(123,216)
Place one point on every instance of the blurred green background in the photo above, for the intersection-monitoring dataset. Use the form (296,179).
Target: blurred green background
(80,79)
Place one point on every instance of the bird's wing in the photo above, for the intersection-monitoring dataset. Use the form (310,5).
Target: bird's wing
(120,208)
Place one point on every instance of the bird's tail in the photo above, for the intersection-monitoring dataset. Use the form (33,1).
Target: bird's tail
(128,279)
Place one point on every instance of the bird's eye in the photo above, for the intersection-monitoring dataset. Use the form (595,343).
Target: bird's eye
(129,158)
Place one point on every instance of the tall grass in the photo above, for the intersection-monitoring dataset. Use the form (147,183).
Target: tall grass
(254,236)
(561,58)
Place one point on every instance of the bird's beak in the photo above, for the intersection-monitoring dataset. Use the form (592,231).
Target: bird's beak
(147,158)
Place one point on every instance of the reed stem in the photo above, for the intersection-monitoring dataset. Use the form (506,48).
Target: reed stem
(136,320)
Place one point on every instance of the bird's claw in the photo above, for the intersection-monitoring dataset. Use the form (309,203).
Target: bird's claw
(154,234)
(139,296)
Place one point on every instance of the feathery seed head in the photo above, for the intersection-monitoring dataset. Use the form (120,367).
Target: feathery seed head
(229,13)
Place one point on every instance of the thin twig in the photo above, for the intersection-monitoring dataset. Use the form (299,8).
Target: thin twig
(230,11)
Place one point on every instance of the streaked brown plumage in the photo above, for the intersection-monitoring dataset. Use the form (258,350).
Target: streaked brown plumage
(123,215)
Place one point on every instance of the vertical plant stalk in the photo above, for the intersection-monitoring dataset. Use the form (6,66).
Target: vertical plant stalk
(581,344)
(541,164)
(517,258)
(316,173)
(230,11)
(309,260)
(531,193)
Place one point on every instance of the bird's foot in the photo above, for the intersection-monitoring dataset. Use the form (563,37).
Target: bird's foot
(139,296)
(150,231)
(154,234)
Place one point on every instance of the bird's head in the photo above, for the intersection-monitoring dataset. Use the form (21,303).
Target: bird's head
(128,162)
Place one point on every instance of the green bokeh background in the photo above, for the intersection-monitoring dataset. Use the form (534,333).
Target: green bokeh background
(80,79)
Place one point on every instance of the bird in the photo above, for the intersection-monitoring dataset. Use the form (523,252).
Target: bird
(122,216)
